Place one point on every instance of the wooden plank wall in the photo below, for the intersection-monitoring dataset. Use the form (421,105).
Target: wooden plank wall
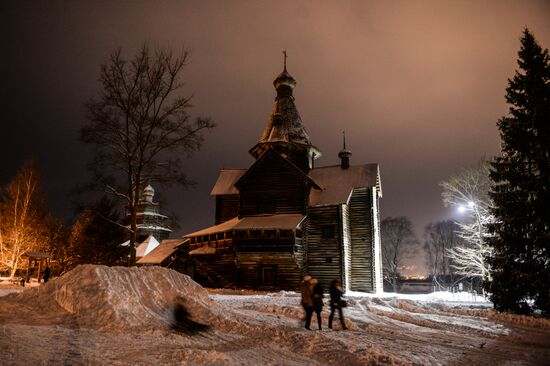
(361,226)
(264,245)
(272,181)
(324,256)
(217,270)
(377,242)
(250,264)
(346,248)
(300,254)
(227,207)
(305,246)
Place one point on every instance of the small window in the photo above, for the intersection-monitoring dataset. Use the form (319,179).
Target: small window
(329,232)
(268,275)
(328,260)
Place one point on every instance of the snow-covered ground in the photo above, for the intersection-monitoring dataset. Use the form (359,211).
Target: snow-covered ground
(98,315)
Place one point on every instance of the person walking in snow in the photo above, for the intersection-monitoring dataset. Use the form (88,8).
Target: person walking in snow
(336,302)
(47,274)
(318,294)
(306,288)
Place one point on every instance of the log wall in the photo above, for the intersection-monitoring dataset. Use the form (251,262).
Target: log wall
(324,255)
(227,207)
(218,270)
(361,224)
(251,265)
(273,187)
(346,247)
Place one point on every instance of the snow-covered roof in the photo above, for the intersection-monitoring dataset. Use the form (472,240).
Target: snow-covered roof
(152,227)
(206,250)
(33,254)
(265,222)
(149,213)
(165,249)
(146,246)
(337,183)
(226,180)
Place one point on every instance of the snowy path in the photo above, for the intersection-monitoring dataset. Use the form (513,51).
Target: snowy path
(92,323)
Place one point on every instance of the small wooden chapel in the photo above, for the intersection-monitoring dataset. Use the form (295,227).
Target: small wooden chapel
(283,217)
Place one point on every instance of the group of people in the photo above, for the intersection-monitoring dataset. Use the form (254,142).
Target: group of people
(312,301)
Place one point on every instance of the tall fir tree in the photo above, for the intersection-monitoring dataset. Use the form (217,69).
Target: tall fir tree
(520,189)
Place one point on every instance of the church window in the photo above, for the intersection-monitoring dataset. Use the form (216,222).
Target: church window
(268,274)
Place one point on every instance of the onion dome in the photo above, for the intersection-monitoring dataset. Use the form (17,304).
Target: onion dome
(284,125)
(148,193)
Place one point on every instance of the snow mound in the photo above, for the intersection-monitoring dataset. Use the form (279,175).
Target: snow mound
(120,297)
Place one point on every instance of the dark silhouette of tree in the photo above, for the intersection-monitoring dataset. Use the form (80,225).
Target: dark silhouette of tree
(398,242)
(96,236)
(520,264)
(439,239)
(140,127)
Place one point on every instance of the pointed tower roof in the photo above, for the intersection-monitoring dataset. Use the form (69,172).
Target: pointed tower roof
(284,124)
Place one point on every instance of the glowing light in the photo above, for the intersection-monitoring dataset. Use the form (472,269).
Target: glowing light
(461,209)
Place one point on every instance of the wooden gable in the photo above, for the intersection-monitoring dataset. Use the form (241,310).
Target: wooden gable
(273,185)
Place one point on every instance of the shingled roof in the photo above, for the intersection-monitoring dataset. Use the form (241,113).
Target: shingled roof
(336,184)
(284,124)
(165,249)
(226,182)
(265,222)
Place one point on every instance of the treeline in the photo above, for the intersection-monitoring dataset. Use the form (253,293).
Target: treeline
(26,225)
(440,240)
(504,238)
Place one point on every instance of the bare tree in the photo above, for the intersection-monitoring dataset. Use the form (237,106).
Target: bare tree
(22,218)
(398,242)
(140,126)
(468,192)
(439,239)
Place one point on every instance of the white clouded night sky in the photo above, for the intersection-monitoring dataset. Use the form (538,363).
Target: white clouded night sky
(417,85)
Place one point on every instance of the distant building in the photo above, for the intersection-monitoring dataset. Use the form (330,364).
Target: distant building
(283,218)
(149,219)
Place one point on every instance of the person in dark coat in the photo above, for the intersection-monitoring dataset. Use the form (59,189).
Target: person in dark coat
(336,302)
(47,274)
(306,288)
(318,294)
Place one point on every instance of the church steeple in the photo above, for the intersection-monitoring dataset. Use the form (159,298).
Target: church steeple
(285,131)
(344,154)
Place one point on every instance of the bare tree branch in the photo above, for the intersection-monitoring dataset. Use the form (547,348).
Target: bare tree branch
(138,122)
(398,243)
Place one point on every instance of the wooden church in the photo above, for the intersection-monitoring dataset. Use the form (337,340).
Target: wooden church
(283,218)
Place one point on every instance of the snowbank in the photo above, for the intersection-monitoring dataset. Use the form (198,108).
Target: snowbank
(120,297)
(127,316)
